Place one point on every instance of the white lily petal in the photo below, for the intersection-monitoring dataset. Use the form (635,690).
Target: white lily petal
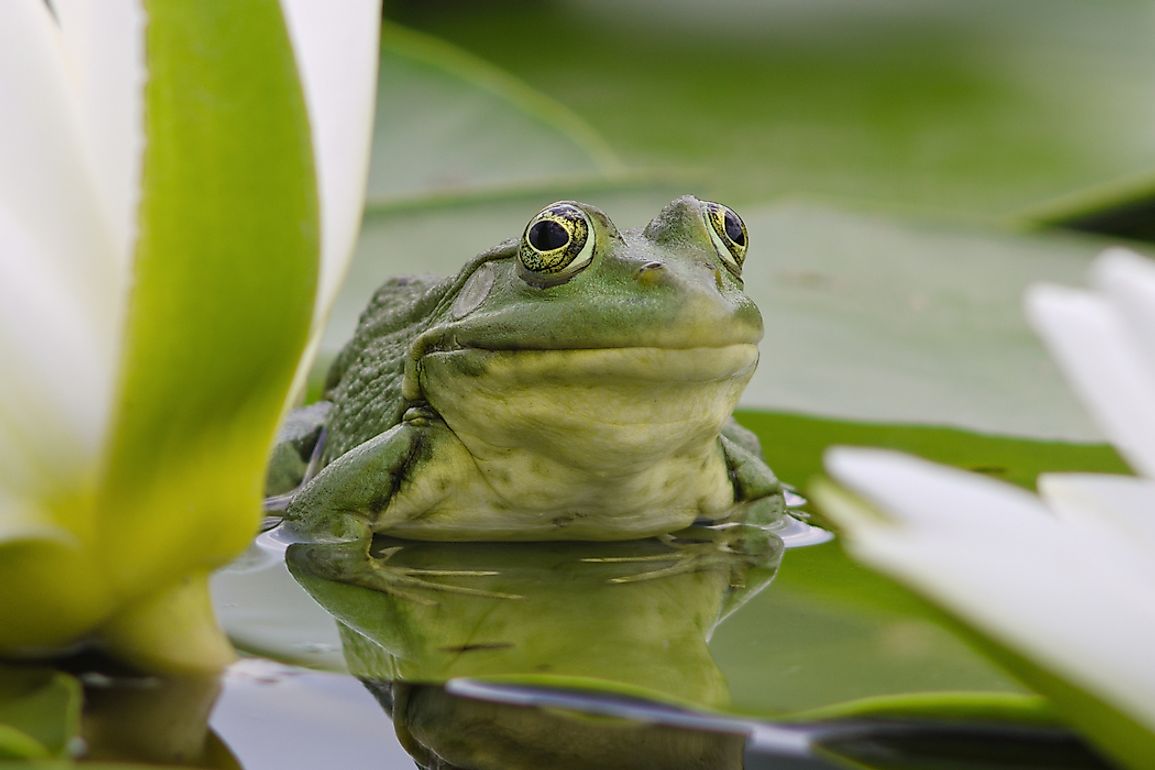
(49,429)
(1090,341)
(1062,607)
(59,317)
(1122,507)
(336,48)
(45,184)
(1128,281)
(104,42)
(919,493)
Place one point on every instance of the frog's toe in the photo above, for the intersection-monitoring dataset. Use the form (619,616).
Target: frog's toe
(278,504)
(352,564)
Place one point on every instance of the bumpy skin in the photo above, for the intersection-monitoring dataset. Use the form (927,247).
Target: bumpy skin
(508,404)
(364,383)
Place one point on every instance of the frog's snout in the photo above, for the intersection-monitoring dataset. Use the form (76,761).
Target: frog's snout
(655,273)
(651,273)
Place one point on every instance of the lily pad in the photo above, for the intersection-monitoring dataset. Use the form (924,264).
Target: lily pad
(793,444)
(883,319)
(449,123)
(988,109)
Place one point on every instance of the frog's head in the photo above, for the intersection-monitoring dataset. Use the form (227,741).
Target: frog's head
(579,321)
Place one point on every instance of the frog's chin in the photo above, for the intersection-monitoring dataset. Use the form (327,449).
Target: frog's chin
(615,402)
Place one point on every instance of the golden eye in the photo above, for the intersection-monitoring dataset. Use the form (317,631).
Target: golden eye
(728,232)
(558,242)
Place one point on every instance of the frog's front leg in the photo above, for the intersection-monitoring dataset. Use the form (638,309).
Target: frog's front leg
(343,503)
(335,515)
(758,494)
(297,446)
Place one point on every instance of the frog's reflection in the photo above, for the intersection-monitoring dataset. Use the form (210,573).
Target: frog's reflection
(446,732)
(628,618)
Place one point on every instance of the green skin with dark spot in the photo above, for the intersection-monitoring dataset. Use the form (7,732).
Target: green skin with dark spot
(500,404)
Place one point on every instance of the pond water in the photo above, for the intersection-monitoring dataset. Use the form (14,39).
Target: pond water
(603,655)
(722,648)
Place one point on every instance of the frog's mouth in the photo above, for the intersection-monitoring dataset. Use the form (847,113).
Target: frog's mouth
(587,368)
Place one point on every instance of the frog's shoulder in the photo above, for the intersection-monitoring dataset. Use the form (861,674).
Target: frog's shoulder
(398,305)
(364,382)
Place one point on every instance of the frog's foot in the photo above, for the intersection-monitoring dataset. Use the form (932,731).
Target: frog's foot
(277,504)
(351,563)
(732,546)
(274,508)
(795,502)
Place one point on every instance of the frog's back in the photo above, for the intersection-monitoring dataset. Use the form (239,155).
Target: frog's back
(364,382)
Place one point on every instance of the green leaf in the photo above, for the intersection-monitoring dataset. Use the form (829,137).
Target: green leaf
(793,445)
(895,320)
(447,122)
(987,109)
(39,712)
(228,222)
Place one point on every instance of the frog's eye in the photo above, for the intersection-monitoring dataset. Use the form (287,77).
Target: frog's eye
(558,242)
(728,232)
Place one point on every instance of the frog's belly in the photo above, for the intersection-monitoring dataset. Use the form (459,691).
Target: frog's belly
(524,496)
(597,444)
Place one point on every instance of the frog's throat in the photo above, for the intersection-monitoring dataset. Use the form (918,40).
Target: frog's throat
(724,363)
(596,413)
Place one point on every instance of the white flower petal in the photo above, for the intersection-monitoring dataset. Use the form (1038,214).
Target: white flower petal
(920,493)
(104,42)
(56,266)
(1119,507)
(50,429)
(1129,281)
(1047,598)
(1090,341)
(336,48)
(1027,580)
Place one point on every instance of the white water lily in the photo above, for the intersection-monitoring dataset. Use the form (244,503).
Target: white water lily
(180,187)
(1059,585)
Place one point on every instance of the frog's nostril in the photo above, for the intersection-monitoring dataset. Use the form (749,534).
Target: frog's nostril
(650,273)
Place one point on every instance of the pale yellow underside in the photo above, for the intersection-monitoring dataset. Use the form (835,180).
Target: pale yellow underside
(573,444)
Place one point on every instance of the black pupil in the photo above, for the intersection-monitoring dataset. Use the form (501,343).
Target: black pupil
(734,229)
(547,235)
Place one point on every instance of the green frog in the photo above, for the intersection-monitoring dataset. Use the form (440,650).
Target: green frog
(575,383)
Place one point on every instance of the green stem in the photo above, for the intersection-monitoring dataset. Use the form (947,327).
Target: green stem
(172,630)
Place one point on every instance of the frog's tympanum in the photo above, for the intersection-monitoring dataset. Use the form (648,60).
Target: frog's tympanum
(574,384)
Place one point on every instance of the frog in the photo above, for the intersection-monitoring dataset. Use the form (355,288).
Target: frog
(575,383)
